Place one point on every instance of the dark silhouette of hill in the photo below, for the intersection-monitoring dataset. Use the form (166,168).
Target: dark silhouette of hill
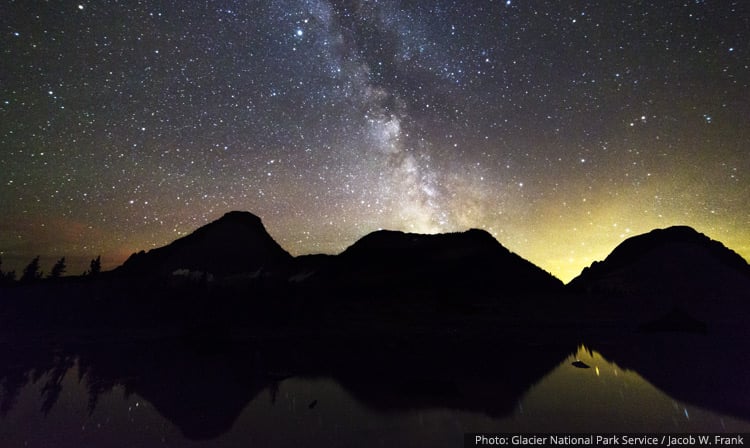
(237,243)
(668,273)
(662,245)
(237,251)
(471,262)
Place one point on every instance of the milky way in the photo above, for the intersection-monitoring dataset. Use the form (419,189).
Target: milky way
(560,127)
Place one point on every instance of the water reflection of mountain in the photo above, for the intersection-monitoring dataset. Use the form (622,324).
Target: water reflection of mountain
(609,398)
(202,390)
(710,372)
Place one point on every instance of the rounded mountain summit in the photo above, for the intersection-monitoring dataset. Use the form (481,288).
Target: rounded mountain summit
(233,244)
(464,262)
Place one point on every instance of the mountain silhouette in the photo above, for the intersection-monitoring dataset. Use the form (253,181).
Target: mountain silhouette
(671,272)
(673,278)
(238,246)
(236,243)
(467,262)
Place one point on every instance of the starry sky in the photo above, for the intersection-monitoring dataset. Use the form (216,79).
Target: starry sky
(560,127)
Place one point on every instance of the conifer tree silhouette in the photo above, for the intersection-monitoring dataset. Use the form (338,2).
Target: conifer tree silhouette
(31,272)
(58,269)
(96,266)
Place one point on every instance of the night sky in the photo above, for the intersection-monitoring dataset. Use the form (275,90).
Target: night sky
(560,127)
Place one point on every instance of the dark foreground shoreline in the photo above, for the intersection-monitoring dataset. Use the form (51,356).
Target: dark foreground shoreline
(391,352)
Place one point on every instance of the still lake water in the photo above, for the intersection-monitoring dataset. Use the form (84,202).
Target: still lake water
(319,411)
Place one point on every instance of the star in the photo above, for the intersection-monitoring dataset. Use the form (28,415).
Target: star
(424,116)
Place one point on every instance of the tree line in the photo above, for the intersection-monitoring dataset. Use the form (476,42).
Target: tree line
(33,273)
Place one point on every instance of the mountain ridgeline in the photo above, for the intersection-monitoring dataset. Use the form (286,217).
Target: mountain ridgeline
(674,273)
(238,247)
(677,274)
(673,260)
(236,243)
(471,261)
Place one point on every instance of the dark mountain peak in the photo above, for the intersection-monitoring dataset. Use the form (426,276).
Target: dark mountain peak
(392,241)
(467,261)
(231,228)
(241,217)
(235,243)
(659,237)
(676,266)
(666,244)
